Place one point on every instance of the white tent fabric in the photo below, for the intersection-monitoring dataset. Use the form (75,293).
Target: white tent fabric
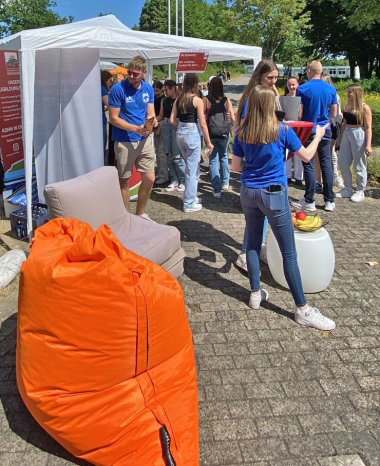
(112,41)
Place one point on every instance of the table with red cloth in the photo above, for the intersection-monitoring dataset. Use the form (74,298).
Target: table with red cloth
(302,129)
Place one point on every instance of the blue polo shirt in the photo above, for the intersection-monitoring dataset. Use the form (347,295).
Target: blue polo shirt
(133,105)
(265,163)
(317,96)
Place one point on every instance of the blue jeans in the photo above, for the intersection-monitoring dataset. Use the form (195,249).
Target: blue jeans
(324,154)
(245,238)
(219,155)
(189,143)
(176,164)
(258,204)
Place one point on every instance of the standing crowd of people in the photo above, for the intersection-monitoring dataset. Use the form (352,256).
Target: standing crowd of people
(159,125)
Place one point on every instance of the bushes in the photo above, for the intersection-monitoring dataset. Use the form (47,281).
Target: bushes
(371,85)
(373,165)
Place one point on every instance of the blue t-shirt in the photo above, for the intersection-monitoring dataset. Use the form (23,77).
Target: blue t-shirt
(244,110)
(105,91)
(133,105)
(316,97)
(265,163)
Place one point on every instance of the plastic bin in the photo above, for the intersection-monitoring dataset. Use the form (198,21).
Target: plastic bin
(40,215)
(315,255)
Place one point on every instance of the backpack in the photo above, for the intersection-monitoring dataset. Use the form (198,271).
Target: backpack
(217,121)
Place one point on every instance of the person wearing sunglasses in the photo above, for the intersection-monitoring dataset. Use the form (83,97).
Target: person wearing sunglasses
(132,114)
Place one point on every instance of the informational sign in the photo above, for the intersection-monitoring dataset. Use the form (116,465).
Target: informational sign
(11,146)
(192,62)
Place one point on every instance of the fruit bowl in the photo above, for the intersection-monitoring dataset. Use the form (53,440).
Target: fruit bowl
(307,223)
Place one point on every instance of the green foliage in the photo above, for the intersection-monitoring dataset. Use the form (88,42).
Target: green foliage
(269,24)
(17,15)
(371,85)
(235,68)
(363,13)
(198,18)
(332,33)
(373,167)
(154,16)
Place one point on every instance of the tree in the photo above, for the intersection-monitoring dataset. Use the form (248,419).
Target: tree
(269,24)
(198,18)
(17,15)
(362,13)
(332,34)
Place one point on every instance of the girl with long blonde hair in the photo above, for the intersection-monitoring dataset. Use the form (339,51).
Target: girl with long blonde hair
(356,143)
(262,141)
(265,73)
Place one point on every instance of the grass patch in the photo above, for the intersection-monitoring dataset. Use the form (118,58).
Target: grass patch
(373,166)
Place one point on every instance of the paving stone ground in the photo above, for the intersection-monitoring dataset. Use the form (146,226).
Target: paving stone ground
(271,392)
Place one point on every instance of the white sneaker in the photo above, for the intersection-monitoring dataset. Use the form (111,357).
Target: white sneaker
(217,195)
(358,196)
(338,182)
(172,187)
(181,188)
(312,317)
(263,254)
(193,208)
(329,206)
(345,192)
(241,261)
(226,187)
(303,205)
(255,300)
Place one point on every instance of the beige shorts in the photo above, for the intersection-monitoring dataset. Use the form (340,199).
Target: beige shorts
(139,153)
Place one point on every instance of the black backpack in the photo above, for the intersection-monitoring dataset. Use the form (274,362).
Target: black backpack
(217,121)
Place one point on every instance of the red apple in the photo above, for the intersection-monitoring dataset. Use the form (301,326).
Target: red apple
(301,216)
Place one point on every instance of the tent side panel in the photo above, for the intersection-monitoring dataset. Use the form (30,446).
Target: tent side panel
(68,135)
(47,133)
(81,112)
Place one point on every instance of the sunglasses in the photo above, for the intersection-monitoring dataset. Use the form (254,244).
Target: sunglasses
(134,74)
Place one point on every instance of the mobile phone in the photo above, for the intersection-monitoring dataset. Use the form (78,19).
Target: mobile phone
(273,188)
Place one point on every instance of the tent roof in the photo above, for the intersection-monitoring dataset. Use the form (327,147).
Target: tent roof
(116,41)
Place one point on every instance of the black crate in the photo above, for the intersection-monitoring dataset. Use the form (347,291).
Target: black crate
(40,216)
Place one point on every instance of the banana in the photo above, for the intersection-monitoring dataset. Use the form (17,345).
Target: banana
(312,223)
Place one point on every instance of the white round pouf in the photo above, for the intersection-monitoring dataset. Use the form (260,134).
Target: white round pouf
(315,255)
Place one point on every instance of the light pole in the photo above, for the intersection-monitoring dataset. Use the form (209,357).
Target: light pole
(169,24)
(183,18)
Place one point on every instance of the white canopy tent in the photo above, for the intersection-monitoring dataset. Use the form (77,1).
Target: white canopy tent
(73,52)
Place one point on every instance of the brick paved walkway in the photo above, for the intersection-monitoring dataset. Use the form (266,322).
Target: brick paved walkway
(271,393)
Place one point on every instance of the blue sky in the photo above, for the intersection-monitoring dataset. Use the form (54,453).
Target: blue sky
(127,11)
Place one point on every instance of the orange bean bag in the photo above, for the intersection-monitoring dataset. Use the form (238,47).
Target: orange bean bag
(105,358)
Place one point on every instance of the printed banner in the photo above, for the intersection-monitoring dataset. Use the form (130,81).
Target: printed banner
(192,62)
(11,146)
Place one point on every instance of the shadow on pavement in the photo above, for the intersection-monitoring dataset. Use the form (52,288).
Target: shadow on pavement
(19,419)
(214,277)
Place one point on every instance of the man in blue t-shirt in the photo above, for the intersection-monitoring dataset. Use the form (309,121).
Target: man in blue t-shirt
(132,115)
(318,105)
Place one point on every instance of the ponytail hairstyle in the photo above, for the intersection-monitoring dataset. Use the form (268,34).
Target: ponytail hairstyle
(189,87)
(355,102)
(261,125)
(265,66)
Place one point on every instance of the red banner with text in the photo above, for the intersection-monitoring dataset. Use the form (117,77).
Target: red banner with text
(192,62)
(11,146)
